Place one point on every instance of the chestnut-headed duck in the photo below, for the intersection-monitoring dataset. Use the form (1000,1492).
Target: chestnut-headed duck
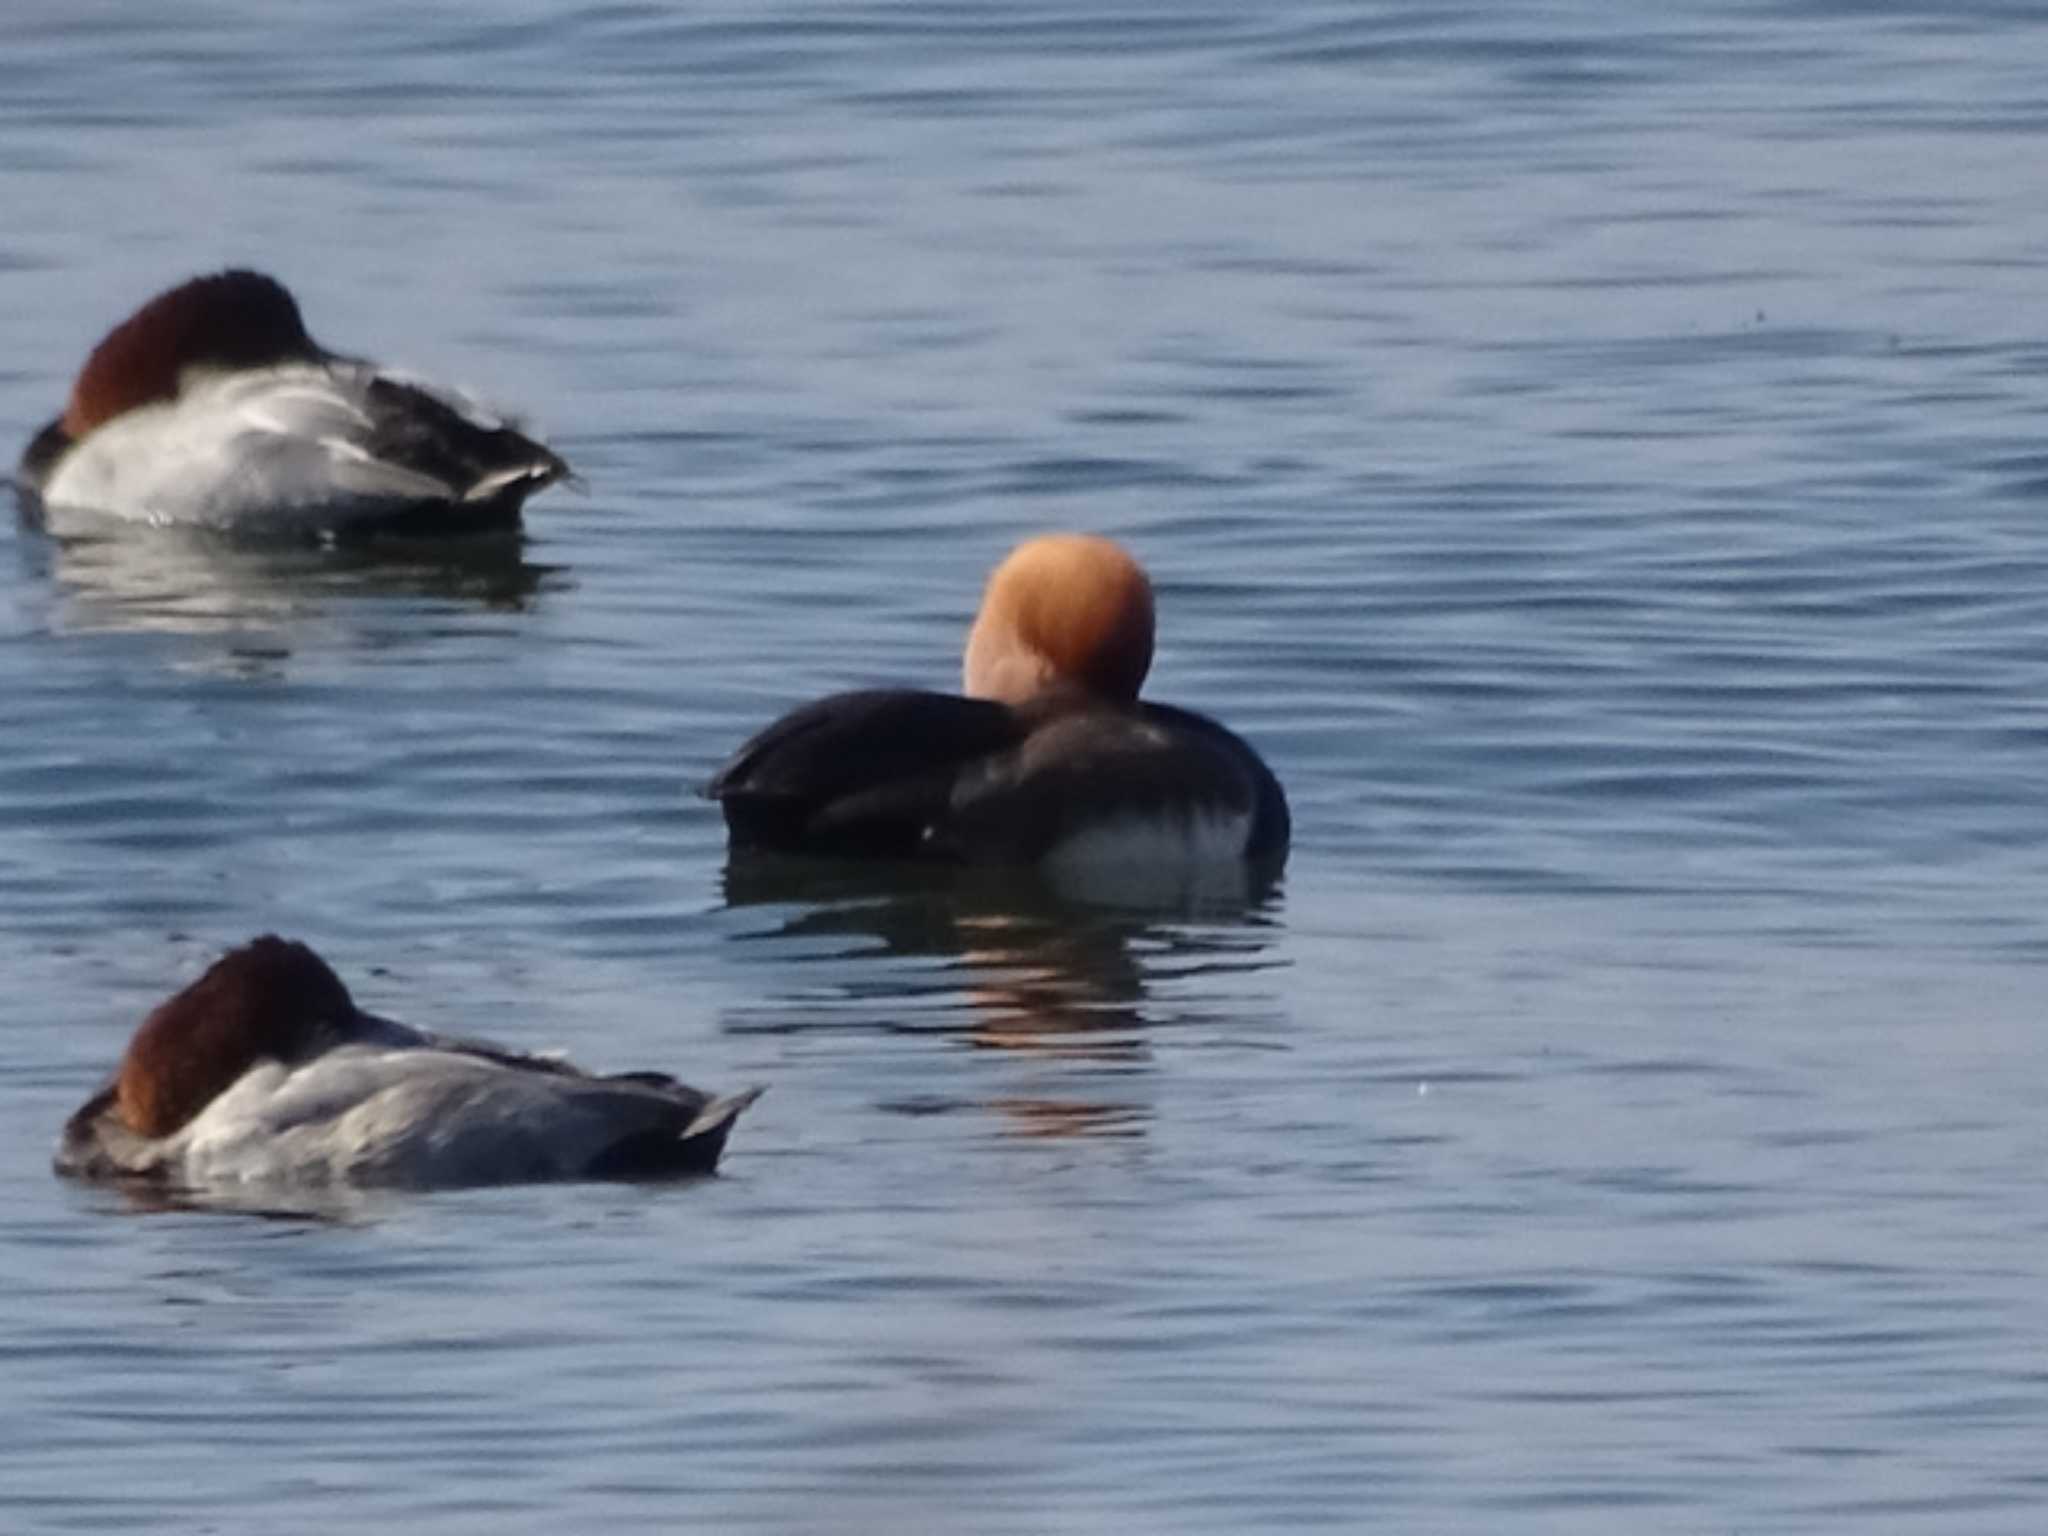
(212,407)
(264,1073)
(1050,759)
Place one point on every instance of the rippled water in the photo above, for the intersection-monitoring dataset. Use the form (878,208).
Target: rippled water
(1597,456)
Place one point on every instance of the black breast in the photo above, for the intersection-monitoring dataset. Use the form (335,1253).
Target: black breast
(42,454)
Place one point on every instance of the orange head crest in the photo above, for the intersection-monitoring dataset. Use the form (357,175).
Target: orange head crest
(230,320)
(1070,608)
(270,999)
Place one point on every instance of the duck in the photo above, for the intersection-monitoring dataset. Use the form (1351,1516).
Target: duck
(1048,758)
(263,1073)
(212,407)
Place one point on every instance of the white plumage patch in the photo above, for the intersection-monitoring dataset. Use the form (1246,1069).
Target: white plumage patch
(1174,840)
(1152,863)
(409,1116)
(242,448)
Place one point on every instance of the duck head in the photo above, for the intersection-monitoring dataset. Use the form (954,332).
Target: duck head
(272,999)
(229,320)
(1064,609)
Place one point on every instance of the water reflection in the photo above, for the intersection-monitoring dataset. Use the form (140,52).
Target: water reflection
(1001,960)
(323,1205)
(177,581)
(338,1204)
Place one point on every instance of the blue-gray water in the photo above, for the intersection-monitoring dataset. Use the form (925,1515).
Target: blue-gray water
(1596,453)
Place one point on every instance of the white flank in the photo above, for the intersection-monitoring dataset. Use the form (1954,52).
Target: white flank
(413,1116)
(1171,840)
(253,449)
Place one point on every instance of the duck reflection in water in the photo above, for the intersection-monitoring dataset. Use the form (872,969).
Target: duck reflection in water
(189,582)
(1003,961)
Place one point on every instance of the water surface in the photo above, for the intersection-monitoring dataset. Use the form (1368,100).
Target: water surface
(1596,457)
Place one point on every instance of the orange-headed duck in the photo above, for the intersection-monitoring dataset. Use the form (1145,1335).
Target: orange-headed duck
(263,1073)
(1050,759)
(211,407)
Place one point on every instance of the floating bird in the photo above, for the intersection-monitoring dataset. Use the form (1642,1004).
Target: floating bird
(1050,759)
(211,407)
(264,1073)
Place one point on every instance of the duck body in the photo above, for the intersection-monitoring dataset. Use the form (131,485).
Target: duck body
(1049,758)
(212,408)
(263,1073)
(1063,779)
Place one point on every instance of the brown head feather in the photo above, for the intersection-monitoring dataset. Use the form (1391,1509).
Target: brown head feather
(230,319)
(270,999)
(1068,608)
